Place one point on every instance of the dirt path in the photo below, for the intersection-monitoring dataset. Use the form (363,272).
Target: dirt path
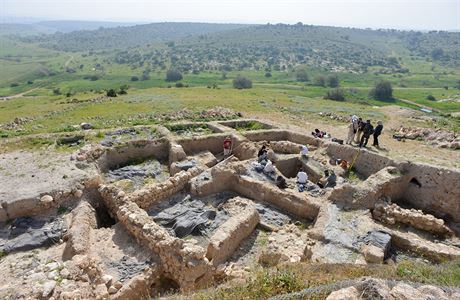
(18,95)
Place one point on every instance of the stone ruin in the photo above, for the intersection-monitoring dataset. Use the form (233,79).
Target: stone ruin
(180,216)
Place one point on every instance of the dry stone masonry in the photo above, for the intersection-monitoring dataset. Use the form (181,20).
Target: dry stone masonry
(112,247)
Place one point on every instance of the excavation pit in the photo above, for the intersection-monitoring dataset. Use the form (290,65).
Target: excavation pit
(190,129)
(123,135)
(246,125)
(184,215)
(202,220)
(135,175)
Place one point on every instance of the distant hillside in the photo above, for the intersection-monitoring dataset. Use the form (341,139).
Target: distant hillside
(283,47)
(24,29)
(123,37)
(69,26)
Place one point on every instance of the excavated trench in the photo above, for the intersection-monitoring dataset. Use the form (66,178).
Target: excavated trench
(134,174)
(192,215)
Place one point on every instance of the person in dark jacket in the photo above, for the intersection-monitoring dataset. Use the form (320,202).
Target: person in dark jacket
(377,133)
(368,130)
(281,182)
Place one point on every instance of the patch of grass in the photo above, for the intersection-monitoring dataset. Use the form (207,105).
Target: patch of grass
(62,210)
(247,126)
(264,283)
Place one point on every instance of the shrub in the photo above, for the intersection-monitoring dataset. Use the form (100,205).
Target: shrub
(382,91)
(134,78)
(56,91)
(241,82)
(30,82)
(268,75)
(173,75)
(301,75)
(179,85)
(431,98)
(335,94)
(332,81)
(320,81)
(111,93)
(14,84)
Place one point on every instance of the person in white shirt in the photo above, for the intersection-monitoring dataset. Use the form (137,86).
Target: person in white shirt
(302,177)
(269,168)
(303,150)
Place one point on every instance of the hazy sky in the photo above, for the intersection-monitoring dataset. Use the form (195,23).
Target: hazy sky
(416,14)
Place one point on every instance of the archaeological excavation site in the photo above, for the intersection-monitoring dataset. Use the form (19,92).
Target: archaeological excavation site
(165,213)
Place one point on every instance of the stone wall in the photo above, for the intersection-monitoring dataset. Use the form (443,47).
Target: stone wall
(133,150)
(387,182)
(438,193)
(155,193)
(229,235)
(213,143)
(298,204)
(367,163)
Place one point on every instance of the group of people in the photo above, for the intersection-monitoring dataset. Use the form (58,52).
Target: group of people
(360,132)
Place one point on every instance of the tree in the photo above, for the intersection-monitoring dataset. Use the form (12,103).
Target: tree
(335,94)
(111,93)
(301,75)
(382,91)
(173,75)
(332,81)
(241,82)
(437,53)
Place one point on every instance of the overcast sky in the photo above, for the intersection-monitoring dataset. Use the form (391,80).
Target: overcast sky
(405,14)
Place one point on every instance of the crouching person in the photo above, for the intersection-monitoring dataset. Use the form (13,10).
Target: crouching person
(302,179)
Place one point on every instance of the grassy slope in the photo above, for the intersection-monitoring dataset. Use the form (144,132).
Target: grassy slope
(292,278)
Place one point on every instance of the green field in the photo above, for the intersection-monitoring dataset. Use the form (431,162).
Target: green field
(53,88)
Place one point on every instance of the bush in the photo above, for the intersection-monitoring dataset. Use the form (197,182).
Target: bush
(173,75)
(431,98)
(382,91)
(332,81)
(134,78)
(179,85)
(111,93)
(14,84)
(92,77)
(301,75)
(30,82)
(268,75)
(335,94)
(320,81)
(241,82)
(123,90)
(56,91)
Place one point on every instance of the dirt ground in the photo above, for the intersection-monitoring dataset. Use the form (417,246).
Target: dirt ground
(396,116)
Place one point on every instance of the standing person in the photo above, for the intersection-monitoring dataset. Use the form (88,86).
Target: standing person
(368,130)
(352,129)
(360,130)
(377,133)
(227,146)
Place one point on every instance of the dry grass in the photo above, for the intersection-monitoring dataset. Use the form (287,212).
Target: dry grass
(263,283)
